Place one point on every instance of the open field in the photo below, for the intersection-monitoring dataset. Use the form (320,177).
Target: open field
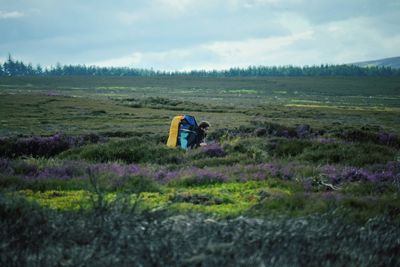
(301,171)
(54,104)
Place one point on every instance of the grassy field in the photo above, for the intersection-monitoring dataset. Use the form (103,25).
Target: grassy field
(54,104)
(301,171)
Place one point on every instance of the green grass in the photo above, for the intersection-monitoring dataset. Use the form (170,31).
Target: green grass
(249,118)
(268,187)
(230,199)
(44,105)
(32,114)
(259,199)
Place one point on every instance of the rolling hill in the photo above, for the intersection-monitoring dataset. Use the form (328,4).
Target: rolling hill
(393,62)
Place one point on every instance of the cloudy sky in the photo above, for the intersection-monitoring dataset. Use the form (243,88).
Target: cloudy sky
(198,34)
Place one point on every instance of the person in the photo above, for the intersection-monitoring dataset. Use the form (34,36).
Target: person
(185,133)
(201,135)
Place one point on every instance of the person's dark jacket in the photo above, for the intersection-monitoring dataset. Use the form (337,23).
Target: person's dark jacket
(200,137)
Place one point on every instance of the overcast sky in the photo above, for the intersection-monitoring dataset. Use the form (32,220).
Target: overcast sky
(199,34)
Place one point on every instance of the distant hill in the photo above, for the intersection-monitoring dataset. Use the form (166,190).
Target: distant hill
(393,62)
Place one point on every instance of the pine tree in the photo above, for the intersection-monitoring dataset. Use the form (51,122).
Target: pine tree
(9,66)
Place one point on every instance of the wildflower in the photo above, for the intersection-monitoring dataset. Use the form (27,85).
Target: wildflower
(213,150)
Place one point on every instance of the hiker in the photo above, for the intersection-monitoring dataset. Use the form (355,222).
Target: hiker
(186,134)
(202,133)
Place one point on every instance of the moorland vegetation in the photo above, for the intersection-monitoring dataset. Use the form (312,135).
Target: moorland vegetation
(298,171)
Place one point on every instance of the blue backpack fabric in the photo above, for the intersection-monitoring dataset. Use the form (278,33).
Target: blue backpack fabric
(187,132)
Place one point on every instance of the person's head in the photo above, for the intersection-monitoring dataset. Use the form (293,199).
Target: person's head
(204,125)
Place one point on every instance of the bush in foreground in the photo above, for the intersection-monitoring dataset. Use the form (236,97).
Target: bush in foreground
(117,236)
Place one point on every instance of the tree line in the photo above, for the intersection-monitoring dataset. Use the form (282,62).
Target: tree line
(13,67)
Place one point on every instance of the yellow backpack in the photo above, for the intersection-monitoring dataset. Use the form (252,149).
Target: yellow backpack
(182,132)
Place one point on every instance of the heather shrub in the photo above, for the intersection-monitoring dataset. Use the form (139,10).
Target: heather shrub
(287,147)
(364,136)
(199,199)
(229,159)
(262,171)
(362,209)
(298,204)
(134,150)
(137,184)
(121,134)
(43,163)
(50,184)
(45,169)
(21,167)
(356,135)
(115,238)
(129,184)
(354,208)
(34,146)
(220,134)
(67,170)
(6,147)
(6,166)
(274,129)
(12,182)
(90,138)
(254,148)
(369,189)
(27,175)
(195,177)
(23,223)
(348,154)
(257,130)
(303,131)
(114,169)
(377,175)
(226,134)
(42,146)
(386,138)
(130,178)
(261,131)
(213,150)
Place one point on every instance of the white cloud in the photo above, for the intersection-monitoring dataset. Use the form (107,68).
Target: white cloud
(258,3)
(176,6)
(338,42)
(254,51)
(207,34)
(131,60)
(293,22)
(129,18)
(355,39)
(11,15)
(216,55)
(157,10)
